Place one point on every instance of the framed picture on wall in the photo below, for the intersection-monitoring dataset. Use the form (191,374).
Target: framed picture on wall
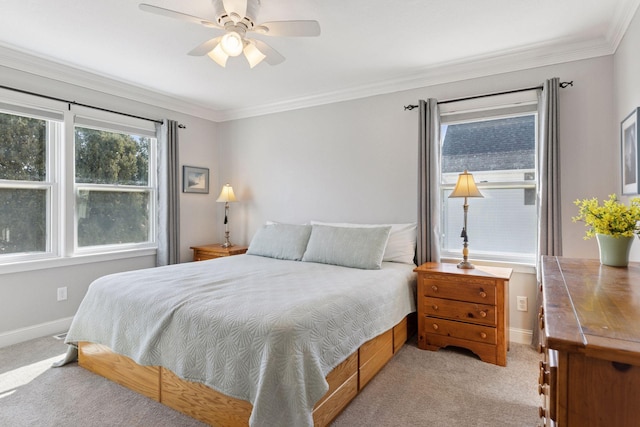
(195,180)
(630,155)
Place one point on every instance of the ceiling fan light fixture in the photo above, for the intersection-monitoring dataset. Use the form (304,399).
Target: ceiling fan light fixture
(235,20)
(253,55)
(232,43)
(218,55)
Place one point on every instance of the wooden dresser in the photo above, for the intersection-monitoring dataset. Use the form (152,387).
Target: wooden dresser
(465,308)
(201,253)
(590,337)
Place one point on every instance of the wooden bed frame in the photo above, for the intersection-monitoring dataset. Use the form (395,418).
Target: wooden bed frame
(209,406)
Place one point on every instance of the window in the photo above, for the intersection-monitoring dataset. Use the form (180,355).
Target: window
(498,146)
(108,203)
(114,194)
(27,180)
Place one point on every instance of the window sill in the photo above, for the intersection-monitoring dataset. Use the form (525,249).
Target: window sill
(518,267)
(57,262)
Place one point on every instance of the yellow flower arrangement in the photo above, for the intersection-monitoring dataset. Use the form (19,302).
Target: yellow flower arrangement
(612,217)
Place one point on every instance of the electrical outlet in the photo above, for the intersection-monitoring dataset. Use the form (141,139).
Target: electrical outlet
(62,293)
(522,304)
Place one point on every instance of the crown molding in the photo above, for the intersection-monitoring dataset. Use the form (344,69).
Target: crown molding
(69,74)
(623,16)
(481,66)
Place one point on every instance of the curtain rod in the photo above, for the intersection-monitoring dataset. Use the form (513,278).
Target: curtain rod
(562,85)
(53,98)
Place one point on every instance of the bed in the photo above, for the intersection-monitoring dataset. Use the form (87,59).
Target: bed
(284,335)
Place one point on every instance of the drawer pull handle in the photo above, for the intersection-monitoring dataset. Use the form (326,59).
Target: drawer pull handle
(483,335)
(435,307)
(435,326)
(483,294)
(542,389)
(435,288)
(543,375)
(621,367)
(483,313)
(542,412)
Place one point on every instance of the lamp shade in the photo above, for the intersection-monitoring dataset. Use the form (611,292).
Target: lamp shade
(219,56)
(226,195)
(253,55)
(466,186)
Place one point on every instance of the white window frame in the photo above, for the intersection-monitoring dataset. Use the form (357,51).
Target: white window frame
(479,109)
(109,122)
(61,244)
(20,106)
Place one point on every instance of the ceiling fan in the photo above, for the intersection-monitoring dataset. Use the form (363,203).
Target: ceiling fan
(236,19)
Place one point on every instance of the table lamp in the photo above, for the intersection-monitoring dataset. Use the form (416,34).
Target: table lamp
(226,196)
(465,187)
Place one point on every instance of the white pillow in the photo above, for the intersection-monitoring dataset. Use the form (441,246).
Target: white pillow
(281,241)
(401,246)
(356,247)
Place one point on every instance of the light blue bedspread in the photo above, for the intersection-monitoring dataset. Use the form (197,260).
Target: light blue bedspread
(259,329)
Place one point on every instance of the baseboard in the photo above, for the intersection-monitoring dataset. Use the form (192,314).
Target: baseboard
(35,331)
(520,336)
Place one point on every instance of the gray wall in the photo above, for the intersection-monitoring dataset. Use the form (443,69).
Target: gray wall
(356,160)
(626,85)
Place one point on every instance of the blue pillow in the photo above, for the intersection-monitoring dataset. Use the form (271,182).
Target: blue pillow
(356,247)
(281,241)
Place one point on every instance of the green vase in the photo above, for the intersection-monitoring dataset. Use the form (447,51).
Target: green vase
(614,251)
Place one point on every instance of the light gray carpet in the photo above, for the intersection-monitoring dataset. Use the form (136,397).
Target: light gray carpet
(416,388)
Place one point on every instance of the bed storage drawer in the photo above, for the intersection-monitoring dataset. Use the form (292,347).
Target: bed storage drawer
(343,387)
(100,360)
(374,354)
(212,407)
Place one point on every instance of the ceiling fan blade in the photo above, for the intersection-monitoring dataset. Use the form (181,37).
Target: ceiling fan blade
(176,15)
(273,57)
(289,28)
(205,47)
(238,7)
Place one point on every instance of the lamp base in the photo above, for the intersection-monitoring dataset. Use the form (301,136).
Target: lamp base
(466,265)
(465,251)
(227,243)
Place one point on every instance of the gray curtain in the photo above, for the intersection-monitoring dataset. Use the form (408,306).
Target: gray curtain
(548,155)
(549,225)
(168,235)
(428,232)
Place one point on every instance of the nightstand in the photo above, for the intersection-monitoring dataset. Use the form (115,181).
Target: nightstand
(201,253)
(465,308)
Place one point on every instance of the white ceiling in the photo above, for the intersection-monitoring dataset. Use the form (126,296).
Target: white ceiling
(366,47)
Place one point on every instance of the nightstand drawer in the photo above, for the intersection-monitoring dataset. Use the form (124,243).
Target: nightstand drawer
(202,256)
(205,252)
(451,287)
(450,328)
(460,310)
